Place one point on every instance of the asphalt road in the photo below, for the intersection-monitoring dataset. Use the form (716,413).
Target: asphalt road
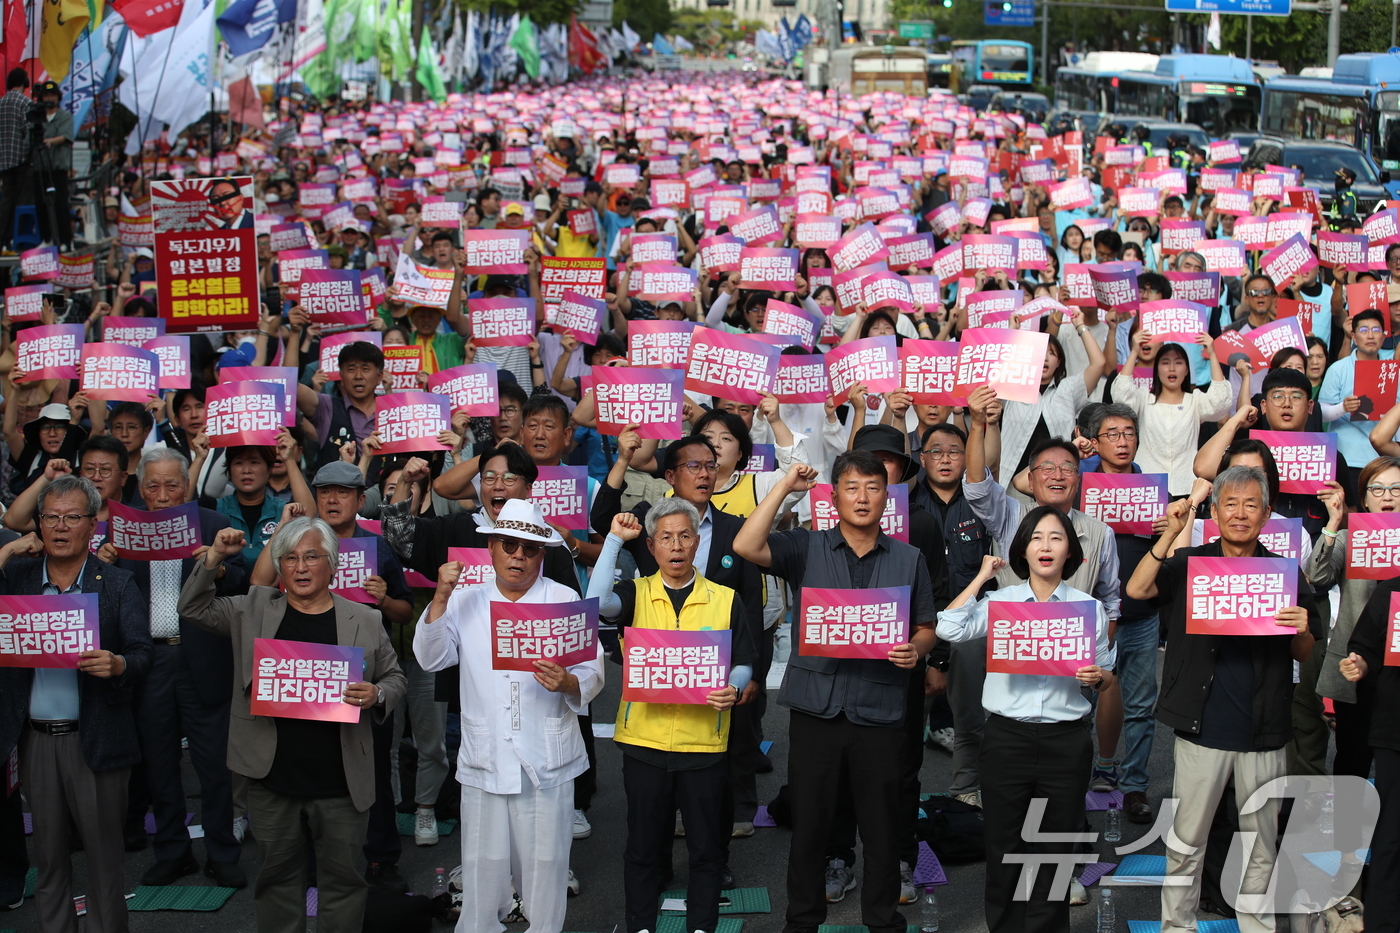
(756,862)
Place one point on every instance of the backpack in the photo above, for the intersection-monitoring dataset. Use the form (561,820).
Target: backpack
(953,830)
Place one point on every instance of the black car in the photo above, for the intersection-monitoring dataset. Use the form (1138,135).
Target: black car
(1319,160)
(979,95)
(1158,131)
(1028,104)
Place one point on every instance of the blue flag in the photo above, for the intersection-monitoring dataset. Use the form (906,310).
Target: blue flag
(247,25)
(786,41)
(94,69)
(802,32)
(660,46)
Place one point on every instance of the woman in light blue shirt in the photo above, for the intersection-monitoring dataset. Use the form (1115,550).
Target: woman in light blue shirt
(1036,743)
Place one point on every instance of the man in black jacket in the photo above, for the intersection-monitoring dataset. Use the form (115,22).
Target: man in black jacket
(75,728)
(1227,696)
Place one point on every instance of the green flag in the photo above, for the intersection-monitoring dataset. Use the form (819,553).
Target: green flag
(340,28)
(428,74)
(389,38)
(527,45)
(367,31)
(321,75)
(403,51)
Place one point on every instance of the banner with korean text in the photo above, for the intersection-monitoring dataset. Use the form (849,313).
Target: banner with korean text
(245,412)
(49,351)
(659,344)
(730,366)
(410,422)
(668,666)
(1239,595)
(304,680)
(206,254)
(1126,502)
(48,631)
(1055,638)
(562,633)
(653,399)
(863,623)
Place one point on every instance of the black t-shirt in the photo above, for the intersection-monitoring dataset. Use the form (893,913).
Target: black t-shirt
(251,514)
(1227,722)
(308,763)
(1040,435)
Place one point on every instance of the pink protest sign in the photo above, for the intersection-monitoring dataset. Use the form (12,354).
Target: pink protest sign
(886,289)
(860,247)
(1223,256)
(802,380)
(1126,502)
(783,318)
(471,388)
(653,247)
(650,398)
(332,344)
(1178,235)
(410,422)
(864,623)
(720,253)
(563,633)
(1382,226)
(1054,639)
(131,331)
(167,534)
(284,376)
(334,298)
(402,365)
(871,361)
(758,226)
(1071,194)
(25,302)
(989,251)
(1115,287)
(292,264)
(1010,361)
(660,344)
(50,351)
(668,666)
(1203,288)
(174,355)
(1239,595)
(659,282)
(476,565)
(770,269)
(294,235)
(730,366)
(1373,545)
(816,230)
(927,369)
(1291,257)
(1305,460)
(994,308)
(1174,320)
(437,211)
(246,412)
(1273,337)
(41,262)
(894,521)
(581,316)
(117,373)
(561,492)
(502,322)
(358,561)
(47,631)
(1342,250)
(496,252)
(304,680)
(1392,633)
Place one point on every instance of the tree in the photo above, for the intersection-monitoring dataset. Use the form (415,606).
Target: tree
(1293,41)
(1366,27)
(542,12)
(647,17)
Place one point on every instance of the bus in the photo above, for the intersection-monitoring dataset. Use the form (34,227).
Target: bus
(1358,105)
(867,70)
(992,61)
(940,70)
(1090,88)
(1218,93)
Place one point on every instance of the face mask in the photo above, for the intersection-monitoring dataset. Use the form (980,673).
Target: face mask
(246,341)
(50,104)
(271,198)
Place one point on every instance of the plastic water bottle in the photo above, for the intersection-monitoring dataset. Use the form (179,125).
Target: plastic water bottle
(1113,824)
(440,882)
(928,911)
(1325,820)
(1107,919)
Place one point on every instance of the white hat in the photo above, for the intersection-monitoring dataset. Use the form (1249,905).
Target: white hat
(522,519)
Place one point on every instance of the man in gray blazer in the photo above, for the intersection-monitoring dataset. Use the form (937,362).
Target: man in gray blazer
(301,769)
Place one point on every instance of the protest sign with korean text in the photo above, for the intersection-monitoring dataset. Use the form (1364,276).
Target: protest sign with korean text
(871,361)
(1239,595)
(495,252)
(1306,460)
(48,631)
(49,351)
(730,366)
(304,680)
(206,254)
(561,633)
(173,351)
(852,623)
(894,521)
(669,666)
(768,268)
(410,422)
(244,412)
(471,387)
(659,344)
(1050,638)
(653,399)
(1373,545)
(560,274)
(118,373)
(132,331)
(333,298)
(25,302)
(1126,502)
(1010,361)
(783,318)
(802,379)
(401,366)
(167,534)
(502,322)
(561,492)
(927,370)
(580,315)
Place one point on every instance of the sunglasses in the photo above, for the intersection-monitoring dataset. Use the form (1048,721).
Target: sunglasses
(511,545)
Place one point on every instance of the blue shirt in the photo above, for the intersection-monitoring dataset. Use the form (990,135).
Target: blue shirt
(1353,437)
(54,692)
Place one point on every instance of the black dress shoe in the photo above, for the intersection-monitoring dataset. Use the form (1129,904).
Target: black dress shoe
(134,835)
(728,880)
(1137,808)
(226,874)
(386,877)
(764,764)
(169,870)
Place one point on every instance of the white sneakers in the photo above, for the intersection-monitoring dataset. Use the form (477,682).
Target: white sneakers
(582,828)
(425,827)
(574,886)
(240,828)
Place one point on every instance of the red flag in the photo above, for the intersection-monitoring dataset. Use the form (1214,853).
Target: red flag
(583,47)
(15,36)
(245,105)
(144,17)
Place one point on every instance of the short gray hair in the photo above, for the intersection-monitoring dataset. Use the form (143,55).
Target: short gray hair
(68,483)
(289,534)
(672,505)
(1239,476)
(1102,413)
(1190,254)
(162,455)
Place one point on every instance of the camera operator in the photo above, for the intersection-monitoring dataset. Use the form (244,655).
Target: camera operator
(14,147)
(54,162)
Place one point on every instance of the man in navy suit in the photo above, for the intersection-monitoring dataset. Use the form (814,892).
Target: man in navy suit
(75,728)
(187,692)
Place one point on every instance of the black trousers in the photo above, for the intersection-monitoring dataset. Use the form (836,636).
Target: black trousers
(822,752)
(10,181)
(746,735)
(652,797)
(14,854)
(1020,762)
(1382,894)
(55,186)
(167,708)
(586,784)
(1353,737)
(382,841)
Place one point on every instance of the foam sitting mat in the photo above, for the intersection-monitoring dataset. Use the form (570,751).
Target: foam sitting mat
(741,900)
(765,746)
(928,870)
(179,897)
(763,820)
(1331,862)
(405,820)
(836,928)
(313,901)
(31,881)
(1202,926)
(1143,867)
(1094,871)
(675,923)
(151,822)
(1094,800)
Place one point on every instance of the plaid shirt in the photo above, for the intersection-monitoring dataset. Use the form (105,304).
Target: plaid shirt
(14,128)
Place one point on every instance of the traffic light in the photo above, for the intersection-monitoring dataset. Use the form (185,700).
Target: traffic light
(947,4)
(1006,7)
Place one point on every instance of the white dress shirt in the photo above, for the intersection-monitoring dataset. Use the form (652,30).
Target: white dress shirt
(1027,697)
(510,724)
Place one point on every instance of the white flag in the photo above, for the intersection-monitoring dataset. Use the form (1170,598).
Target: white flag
(630,36)
(1213,31)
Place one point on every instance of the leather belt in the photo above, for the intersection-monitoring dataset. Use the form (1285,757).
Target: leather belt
(173,640)
(54,726)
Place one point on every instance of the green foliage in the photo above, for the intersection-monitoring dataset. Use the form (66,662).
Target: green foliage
(1122,30)
(693,24)
(647,17)
(1365,26)
(542,12)
(1294,41)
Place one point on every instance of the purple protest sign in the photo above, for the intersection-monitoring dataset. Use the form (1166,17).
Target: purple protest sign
(783,318)
(1126,502)
(131,331)
(290,236)
(668,666)
(471,388)
(167,534)
(1055,639)
(659,344)
(1239,595)
(802,379)
(332,344)
(284,376)
(561,492)
(410,422)
(25,302)
(993,308)
(581,316)
(1010,361)
(730,366)
(358,561)
(41,262)
(653,399)
(894,521)
(50,351)
(1306,460)
(47,631)
(861,247)
(304,680)
(1291,257)
(864,623)
(334,298)
(927,369)
(117,373)
(245,412)
(1342,250)
(871,361)
(763,459)
(562,633)
(1115,288)
(174,355)
(502,322)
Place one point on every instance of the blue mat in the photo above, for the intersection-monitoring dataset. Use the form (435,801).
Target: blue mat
(1143,868)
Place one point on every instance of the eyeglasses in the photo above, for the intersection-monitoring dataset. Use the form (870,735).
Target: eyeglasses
(1279,398)
(696,467)
(512,410)
(102,472)
(938,453)
(511,545)
(51,520)
(1370,330)
(684,539)
(309,561)
(1057,469)
(1384,492)
(1259,292)
(508,479)
(1127,434)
